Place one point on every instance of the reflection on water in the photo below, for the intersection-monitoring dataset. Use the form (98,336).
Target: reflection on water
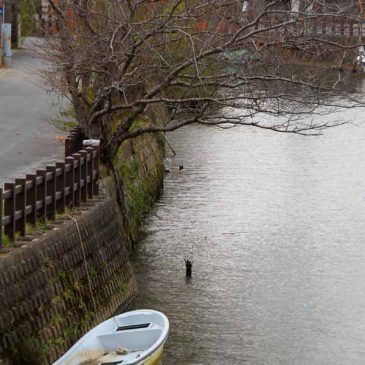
(275,225)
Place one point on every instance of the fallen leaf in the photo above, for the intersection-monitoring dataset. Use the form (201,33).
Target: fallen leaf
(60,139)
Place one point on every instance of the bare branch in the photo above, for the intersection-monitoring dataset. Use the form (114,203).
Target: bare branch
(207,62)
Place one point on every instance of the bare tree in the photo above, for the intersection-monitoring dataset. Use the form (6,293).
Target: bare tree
(211,62)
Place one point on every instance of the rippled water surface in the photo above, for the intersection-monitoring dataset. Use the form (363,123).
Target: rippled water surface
(275,225)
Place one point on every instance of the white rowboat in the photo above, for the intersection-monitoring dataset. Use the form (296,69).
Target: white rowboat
(132,338)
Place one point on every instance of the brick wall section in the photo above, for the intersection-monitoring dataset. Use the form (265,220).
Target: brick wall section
(45,298)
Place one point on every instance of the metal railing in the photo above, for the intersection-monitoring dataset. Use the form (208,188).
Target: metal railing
(39,197)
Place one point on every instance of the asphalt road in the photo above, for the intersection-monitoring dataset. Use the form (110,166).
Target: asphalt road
(28,141)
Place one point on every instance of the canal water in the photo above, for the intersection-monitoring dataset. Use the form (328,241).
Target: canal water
(275,226)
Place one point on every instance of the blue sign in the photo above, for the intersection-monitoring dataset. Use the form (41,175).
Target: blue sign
(1,10)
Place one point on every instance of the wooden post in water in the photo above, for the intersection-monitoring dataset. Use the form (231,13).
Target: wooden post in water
(189,267)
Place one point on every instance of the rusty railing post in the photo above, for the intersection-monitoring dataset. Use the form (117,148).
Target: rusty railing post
(60,186)
(77,178)
(20,205)
(73,142)
(9,210)
(68,146)
(70,182)
(51,192)
(32,199)
(97,170)
(90,172)
(42,195)
(84,168)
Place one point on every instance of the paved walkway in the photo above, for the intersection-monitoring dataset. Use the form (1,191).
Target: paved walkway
(27,140)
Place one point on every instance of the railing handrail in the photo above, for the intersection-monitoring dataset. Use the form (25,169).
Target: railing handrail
(319,26)
(40,196)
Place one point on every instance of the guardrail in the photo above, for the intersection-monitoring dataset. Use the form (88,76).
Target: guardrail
(73,141)
(39,197)
(316,27)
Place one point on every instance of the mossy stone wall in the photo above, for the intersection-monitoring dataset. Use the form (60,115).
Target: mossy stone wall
(59,285)
(140,165)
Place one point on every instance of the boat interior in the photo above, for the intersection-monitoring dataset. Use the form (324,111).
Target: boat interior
(125,344)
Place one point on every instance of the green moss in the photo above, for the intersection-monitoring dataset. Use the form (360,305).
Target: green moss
(30,229)
(90,95)
(55,300)
(59,341)
(138,193)
(41,225)
(61,275)
(124,287)
(117,118)
(33,229)
(6,242)
(141,122)
(46,347)
(93,273)
(140,183)
(47,263)
(68,211)
(67,294)
(57,319)
(77,286)
(159,114)
(27,352)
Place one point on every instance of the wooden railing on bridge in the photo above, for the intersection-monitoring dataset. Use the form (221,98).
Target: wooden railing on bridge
(39,197)
(338,27)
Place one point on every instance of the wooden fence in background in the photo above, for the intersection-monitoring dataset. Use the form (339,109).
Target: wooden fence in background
(39,197)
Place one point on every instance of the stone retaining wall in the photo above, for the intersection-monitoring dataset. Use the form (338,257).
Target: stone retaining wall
(48,300)
(140,164)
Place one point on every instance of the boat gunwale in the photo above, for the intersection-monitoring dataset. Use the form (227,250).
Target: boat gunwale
(146,353)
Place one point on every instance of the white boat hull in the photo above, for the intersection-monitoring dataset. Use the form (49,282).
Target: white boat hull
(133,338)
